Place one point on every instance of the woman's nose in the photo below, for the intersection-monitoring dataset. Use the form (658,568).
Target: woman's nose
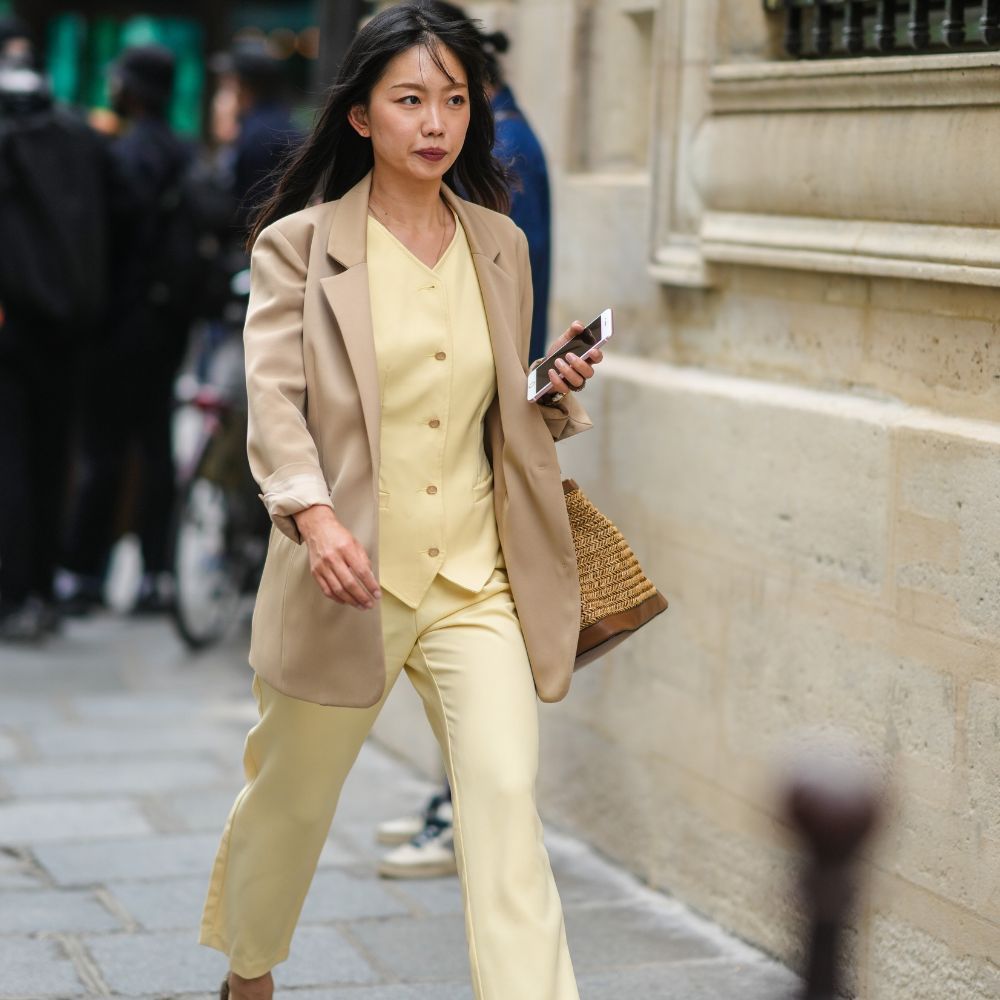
(434,122)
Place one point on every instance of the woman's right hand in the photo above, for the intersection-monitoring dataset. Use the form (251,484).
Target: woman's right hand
(337,560)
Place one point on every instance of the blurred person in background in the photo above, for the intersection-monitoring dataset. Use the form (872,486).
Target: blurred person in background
(266,133)
(16,48)
(129,393)
(54,184)
(424,843)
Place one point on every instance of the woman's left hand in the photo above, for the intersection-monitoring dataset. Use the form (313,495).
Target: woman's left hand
(572,374)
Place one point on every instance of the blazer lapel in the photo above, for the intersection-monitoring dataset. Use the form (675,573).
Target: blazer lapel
(347,293)
(500,299)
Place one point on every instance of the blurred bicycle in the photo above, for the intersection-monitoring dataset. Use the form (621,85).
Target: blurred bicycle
(220,527)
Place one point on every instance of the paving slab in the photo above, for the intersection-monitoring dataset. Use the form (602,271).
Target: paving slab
(155,857)
(36,968)
(632,934)
(398,991)
(50,911)
(416,950)
(82,740)
(39,822)
(433,896)
(203,811)
(139,777)
(693,981)
(9,749)
(339,895)
(162,964)
(165,904)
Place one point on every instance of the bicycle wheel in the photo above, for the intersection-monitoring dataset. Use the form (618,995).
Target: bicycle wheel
(209,569)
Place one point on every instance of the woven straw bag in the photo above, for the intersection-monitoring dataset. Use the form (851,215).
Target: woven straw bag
(616,597)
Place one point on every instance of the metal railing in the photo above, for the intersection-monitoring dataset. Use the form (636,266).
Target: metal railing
(835,28)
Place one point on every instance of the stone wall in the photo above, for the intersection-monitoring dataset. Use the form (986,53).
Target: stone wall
(803,446)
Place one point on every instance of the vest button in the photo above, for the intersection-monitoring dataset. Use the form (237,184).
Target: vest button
(432,490)
(434,553)
(435,423)
(440,356)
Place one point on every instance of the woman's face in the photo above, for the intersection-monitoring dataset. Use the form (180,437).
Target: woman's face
(417,116)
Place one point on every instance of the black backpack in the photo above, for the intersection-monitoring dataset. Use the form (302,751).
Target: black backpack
(194,227)
(53,220)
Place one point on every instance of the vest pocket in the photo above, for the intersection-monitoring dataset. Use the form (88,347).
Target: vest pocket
(383,500)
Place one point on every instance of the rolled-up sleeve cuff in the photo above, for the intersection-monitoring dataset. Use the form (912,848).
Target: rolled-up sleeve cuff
(287,492)
(566,418)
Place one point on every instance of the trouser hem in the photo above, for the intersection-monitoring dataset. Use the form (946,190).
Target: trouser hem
(244,969)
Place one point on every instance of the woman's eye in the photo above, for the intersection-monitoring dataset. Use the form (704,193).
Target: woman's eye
(457,101)
(411,100)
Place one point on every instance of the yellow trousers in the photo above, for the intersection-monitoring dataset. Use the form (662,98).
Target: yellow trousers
(465,656)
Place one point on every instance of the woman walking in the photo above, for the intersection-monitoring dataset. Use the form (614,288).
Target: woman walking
(416,497)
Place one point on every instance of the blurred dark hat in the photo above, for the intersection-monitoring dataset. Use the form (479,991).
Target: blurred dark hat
(253,62)
(12,27)
(147,72)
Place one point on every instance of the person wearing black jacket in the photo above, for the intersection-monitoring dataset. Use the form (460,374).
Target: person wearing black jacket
(54,186)
(129,397)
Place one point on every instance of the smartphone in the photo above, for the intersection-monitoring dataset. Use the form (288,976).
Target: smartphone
(596,335)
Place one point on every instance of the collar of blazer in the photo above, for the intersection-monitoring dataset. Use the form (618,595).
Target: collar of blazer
(347,293)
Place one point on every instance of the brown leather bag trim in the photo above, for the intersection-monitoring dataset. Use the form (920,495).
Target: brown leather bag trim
(601,637)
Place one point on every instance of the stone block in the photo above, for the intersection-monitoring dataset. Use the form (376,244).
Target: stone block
(397,991)
(202,811)
(168,964)
(945,850)
(908,962)
(791,671)
(164,904)
(983,759)
(433,897)
(9,750)
(139,777)
(77,740)
(712,980)
(69,819)
(418,950)
(935,359)
(634,933)
(163,965)
(17,871)
(36,968)
(597,211)
(127,708)
(949,473)
(336,895)
(784,508)
(153,857)
(46,911)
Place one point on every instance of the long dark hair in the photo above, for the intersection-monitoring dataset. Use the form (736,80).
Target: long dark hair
(334,158)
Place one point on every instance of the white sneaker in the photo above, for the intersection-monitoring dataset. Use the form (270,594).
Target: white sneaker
(399,831)
(431,854)
(404,829)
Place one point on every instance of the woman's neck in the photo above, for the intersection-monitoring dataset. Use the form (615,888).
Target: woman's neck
(413,205)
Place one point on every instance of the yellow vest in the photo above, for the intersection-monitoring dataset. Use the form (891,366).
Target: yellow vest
(436,379)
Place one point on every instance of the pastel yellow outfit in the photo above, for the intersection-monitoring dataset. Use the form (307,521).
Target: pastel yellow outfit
(449,621)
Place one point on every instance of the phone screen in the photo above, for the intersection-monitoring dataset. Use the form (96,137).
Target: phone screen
(579,346)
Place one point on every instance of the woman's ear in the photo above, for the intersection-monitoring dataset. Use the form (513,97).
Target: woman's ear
(358,117)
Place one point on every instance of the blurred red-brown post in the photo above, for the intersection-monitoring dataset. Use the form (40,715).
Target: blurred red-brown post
(338,22)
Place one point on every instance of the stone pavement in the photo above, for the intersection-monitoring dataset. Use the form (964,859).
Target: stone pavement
(120,755)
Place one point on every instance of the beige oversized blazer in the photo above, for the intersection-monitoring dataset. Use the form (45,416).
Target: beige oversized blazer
(314,411)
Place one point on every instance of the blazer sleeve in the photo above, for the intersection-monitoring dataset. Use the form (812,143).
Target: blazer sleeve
(567,417)
(283,456)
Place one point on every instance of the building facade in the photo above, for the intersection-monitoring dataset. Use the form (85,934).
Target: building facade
(798,427)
